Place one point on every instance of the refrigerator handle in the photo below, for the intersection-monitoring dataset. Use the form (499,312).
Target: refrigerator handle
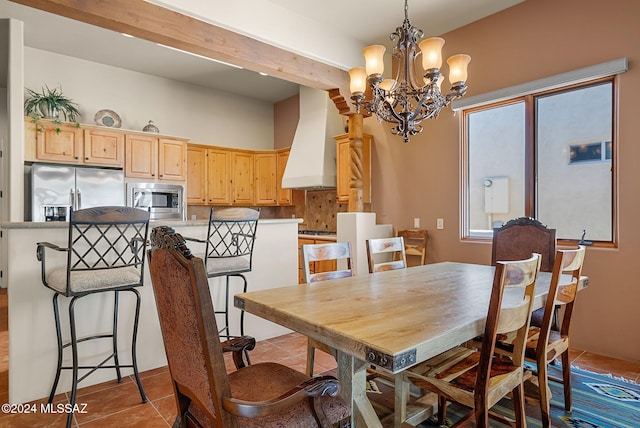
(79,199)
(72,201)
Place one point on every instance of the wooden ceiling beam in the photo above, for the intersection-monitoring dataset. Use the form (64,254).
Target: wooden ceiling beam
(160,25)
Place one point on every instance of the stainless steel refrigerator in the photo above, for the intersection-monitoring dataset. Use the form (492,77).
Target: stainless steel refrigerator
(55,189)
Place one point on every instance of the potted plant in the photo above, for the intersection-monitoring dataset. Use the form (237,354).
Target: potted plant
(50,104)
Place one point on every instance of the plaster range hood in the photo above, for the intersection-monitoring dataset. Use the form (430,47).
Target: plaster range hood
(312,159)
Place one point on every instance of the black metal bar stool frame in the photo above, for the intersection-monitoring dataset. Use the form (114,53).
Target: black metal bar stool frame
(106,253)
(229,252)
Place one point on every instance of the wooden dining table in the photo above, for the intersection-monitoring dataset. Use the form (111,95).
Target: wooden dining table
(393,319)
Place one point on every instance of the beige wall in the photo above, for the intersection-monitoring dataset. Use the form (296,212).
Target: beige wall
(531,40)
(201,114)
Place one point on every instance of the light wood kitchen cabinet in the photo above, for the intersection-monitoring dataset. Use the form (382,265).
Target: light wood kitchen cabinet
(103,147)
(242,177)
(284,196)
(265,166)
(343,167)
(57,143)
(229,176)
(218,177)
(196,175)
(72,143)
(141,155)
(172,159)
(155,158)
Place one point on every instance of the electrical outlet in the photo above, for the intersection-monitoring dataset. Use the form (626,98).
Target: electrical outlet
(416,223)
(440,223)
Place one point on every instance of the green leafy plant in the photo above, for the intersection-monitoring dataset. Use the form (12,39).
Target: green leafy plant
(51,103)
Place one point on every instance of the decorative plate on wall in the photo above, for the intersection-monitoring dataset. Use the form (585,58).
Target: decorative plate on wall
(108,118)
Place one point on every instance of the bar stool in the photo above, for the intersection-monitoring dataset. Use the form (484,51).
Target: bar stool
(229,252)
(105,253)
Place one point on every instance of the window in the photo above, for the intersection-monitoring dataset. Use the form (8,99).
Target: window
(545,155)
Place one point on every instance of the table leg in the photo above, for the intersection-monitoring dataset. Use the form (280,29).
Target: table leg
(352,374)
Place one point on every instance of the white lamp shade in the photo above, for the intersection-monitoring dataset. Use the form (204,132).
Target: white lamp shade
(431,49)
(374,59)
(358,80)
(458,68)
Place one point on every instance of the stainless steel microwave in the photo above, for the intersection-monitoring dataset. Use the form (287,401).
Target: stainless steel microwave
(165,201)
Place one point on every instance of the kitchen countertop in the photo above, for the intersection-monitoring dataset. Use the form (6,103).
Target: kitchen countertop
(319,236)
(153,223)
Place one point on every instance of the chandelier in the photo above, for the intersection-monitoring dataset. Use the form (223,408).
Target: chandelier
(408,98)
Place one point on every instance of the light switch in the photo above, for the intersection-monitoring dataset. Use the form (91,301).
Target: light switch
(440,223)
(416,223)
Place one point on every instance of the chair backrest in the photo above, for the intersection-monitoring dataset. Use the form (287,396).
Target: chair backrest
(509,312)
(106,238)
(334,251)
(520,237)
(231,234)
(562,290)
(415,243)
(386,254)
(188,325)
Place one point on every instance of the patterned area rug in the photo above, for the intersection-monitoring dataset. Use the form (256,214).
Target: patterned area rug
(598,401)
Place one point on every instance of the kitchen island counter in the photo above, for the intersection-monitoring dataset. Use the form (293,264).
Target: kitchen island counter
(32,337)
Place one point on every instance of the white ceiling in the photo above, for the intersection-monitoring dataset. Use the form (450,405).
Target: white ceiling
(53,33)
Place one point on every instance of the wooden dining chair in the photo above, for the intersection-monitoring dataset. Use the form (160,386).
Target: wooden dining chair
(260,395)
(478,379)
(386,254)
(330,254)
(545,344)
(520,237)
(415,243)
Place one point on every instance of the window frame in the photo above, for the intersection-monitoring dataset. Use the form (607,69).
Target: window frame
(530,167)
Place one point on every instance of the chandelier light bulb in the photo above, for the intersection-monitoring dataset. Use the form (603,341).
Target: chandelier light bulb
(431,49)
(358,80)
(374,59)
(458,68)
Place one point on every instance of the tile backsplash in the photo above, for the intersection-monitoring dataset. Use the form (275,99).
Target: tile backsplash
(321,210)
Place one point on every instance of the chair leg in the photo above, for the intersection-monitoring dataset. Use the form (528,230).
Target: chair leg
(566,380)
(226,310)
(115,337)
(74,354)
(56,315)
(244,290)
(518,406)
(442,410)
(134,341)
(545,393)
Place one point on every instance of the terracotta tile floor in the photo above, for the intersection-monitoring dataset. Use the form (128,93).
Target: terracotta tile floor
(113,404)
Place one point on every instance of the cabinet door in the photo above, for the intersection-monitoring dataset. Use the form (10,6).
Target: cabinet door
(58,143)
(102,147)
(343,167)
(265,178)
(172,159)
(141,156)
(242,177)
(284,195)
(196,175)
(218,177)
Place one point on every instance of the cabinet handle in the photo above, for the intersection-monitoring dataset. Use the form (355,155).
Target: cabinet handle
(76,157)
(86,158)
